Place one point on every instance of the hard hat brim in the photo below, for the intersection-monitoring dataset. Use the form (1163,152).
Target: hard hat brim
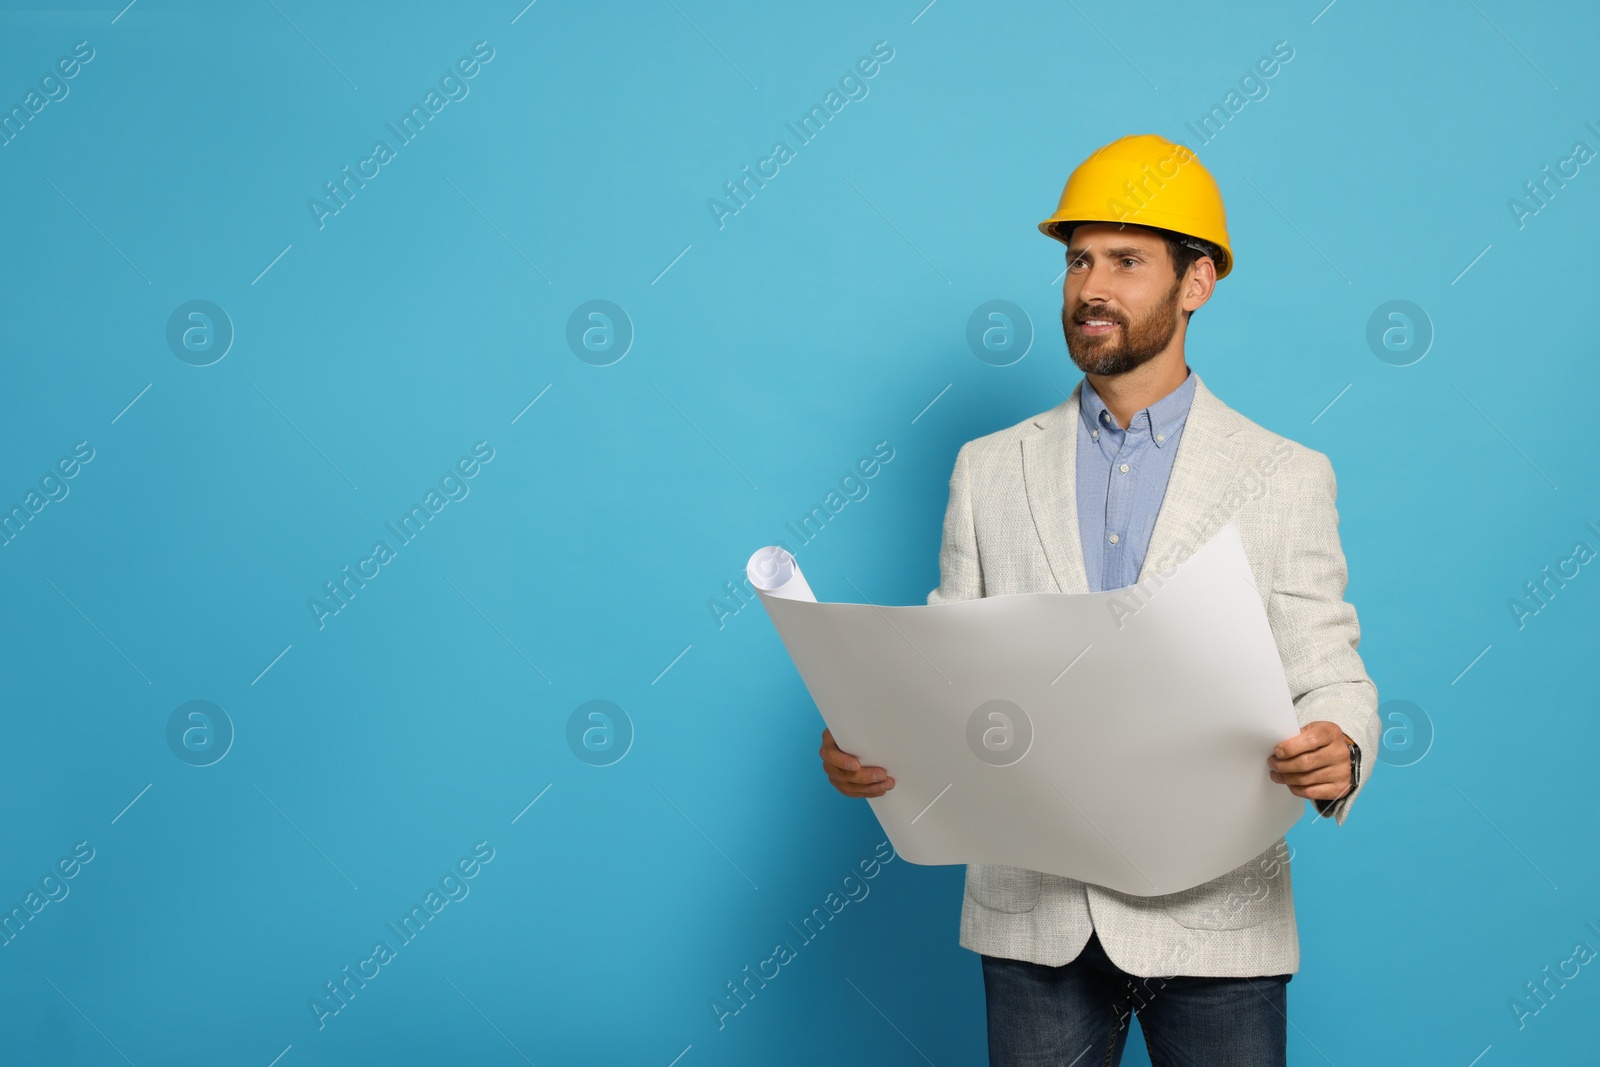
(1061,230)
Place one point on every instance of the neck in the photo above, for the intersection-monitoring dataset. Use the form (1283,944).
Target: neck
(1125,395)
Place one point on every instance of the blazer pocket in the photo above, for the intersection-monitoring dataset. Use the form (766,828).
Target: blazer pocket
(1002,888)
(1232,901)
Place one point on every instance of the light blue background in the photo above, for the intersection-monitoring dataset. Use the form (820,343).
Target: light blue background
(826,316)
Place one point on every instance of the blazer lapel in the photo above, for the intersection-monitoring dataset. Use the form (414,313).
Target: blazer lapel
(1201,474)
(1050,475)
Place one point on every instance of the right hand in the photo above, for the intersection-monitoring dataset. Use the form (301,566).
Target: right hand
(847,774)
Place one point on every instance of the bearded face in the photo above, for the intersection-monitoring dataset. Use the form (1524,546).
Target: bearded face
(1105,338)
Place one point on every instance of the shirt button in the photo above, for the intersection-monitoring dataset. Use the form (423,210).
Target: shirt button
(1161,437)
(1095,434)
(1113,538)
(1124,468)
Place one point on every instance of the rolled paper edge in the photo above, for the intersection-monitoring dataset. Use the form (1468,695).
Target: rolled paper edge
(772,570)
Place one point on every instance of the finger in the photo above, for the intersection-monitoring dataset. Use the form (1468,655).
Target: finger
(1328,756)
(1311,736)
(1332,750)
(1291,746)
(1315,777)
(1300,744)
(1319,772)
(866,776)
(1303,781)
(1320,792)
(863,791)
(844,761)
(853,770)
(833,754)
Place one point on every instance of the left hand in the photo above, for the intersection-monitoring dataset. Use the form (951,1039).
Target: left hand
(1315,763)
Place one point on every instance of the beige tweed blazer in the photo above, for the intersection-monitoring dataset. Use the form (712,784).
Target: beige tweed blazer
(1012,527)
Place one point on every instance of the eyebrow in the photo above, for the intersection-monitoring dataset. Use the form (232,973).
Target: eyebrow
(1125,250)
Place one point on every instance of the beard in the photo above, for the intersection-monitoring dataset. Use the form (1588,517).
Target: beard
(1128,346)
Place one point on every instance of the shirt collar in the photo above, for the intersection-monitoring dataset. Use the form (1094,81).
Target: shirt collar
(1161,419)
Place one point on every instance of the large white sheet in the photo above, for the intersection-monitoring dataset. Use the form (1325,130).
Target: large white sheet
(1120,738)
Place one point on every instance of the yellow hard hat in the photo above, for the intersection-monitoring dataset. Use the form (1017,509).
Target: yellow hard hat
(1146,180)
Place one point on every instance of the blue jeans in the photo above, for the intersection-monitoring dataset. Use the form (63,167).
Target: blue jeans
(1076,1015)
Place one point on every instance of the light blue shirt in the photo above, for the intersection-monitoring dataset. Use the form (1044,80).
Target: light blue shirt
(1122,478)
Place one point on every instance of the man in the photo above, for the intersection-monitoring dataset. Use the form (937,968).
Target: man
(1137,469)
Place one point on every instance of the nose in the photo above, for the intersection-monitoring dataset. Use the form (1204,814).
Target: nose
(1093,284)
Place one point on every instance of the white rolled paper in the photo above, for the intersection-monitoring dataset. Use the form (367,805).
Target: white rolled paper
(774,571)
(1119,737)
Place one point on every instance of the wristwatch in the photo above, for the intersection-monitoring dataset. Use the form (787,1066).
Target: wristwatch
(1325,806)
(1355,764)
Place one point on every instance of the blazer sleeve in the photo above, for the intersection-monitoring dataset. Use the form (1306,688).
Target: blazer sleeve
(1316,629)
(960,576)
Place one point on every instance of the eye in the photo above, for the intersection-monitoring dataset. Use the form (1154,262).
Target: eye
(1130,259)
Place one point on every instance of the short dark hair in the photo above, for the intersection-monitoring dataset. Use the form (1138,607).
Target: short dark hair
(1185,250)
(1184,253)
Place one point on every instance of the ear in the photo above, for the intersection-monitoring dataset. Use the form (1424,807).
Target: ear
(1199,284)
